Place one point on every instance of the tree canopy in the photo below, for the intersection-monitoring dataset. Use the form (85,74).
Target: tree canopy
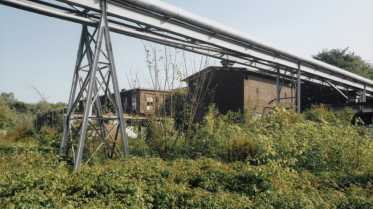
(7,97)
(347,61)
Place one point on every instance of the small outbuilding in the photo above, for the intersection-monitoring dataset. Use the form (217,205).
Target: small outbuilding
(235,88)
(137,101)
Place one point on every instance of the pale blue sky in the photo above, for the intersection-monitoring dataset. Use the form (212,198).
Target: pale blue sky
(41,51)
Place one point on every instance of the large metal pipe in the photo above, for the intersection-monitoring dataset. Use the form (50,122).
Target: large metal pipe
(46,10)
(180,14)
(117,11)
(71,16)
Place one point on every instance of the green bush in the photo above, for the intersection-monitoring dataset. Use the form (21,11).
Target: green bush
(7,116)
(288,160)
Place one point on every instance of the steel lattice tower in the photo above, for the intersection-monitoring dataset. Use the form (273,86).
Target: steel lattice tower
(100,75)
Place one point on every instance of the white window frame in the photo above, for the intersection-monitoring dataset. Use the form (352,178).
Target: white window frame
(149,103)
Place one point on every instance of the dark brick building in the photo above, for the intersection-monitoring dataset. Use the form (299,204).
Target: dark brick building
(233,88)
(137,101)
(142,101)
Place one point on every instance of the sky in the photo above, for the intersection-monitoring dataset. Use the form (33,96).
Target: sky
(40,51)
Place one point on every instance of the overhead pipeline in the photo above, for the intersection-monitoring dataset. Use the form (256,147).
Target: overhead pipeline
(188,17)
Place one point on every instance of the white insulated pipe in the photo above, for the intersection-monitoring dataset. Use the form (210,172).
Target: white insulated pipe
(47,10)
(180,14)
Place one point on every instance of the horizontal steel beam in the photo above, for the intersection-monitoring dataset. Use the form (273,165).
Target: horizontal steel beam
(171,11)
(126,13)
(48,10)
(228,50)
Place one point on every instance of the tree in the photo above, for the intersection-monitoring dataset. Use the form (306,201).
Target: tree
(174,105)
(43,104)
(59,105)
(8,97)
(347,61)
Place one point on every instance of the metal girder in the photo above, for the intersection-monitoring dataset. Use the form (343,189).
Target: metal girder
(227,47)
(89,86)
(126,13)
(335,88)
(188,18)
(208,51)
(269,69)
(66,125)
(364,96)
(48,9)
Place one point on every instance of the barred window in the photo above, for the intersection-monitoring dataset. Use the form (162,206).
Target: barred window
(149,103)
(133,103)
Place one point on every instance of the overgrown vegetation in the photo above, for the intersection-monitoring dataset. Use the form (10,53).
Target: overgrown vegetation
(316,159)
(18,118)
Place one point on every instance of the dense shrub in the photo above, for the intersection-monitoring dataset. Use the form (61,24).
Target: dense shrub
(7,116)
(288,160)
(316,140)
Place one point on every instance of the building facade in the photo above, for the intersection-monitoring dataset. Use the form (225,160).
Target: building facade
(141,101)
(135,101)
(234,89)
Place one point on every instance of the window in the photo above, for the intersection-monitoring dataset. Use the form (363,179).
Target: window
(149,103)
(125,104)
(133,103)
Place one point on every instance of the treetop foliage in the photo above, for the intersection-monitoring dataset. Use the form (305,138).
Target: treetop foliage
(8,97)
(346,60)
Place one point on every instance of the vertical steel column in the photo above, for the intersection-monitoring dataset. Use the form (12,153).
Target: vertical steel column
(292,94)
(91,85)
(95,90)
(298,89)
(66,125)
(119,110)
(278,88)
(362,98)
(91,88)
